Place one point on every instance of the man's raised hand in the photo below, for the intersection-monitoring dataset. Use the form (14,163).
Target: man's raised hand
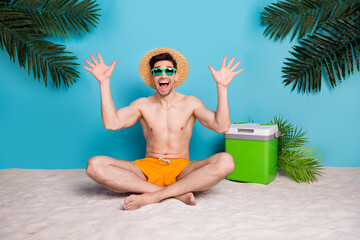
(99,70)
(226,73)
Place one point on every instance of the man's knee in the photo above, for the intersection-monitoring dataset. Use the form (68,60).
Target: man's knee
(225,162)
(93,166)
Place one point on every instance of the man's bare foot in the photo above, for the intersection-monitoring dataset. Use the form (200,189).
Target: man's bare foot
(187,198)
(134,202)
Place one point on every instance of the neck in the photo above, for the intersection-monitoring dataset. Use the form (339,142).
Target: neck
(166,100)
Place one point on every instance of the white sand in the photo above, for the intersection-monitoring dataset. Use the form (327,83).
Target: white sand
(66,204)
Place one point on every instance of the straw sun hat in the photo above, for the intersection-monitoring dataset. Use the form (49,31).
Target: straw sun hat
(145,71)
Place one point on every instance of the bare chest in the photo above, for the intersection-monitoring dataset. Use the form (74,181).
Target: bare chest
(175,120)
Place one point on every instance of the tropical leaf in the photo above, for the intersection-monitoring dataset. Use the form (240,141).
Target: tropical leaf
(335,52)
(58,18)
(301,164)
(304,16)
(296,157)
(291,137)
(19,38)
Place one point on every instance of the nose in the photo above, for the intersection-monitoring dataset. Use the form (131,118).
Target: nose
(163,74)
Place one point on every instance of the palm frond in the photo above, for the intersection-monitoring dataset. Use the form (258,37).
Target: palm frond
(334,52)
(304,16)
(291,137)
(301,164)
(58,18)
(19,38)
(296,157)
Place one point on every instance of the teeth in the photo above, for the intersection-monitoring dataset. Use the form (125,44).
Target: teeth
(164,82)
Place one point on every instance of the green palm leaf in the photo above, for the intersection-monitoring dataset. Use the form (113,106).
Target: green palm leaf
(301,164)
(58,17)
(296,157)
(291,137)
(19,38)
(334,52)
(304,16)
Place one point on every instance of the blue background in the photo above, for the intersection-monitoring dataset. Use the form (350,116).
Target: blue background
(61,128)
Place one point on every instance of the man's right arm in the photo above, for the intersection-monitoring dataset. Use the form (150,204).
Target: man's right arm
(112,119)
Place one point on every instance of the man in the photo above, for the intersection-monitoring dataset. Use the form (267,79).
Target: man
(167,119)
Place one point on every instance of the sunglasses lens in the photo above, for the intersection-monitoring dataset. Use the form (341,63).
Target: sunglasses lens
(169,71)
(157,71)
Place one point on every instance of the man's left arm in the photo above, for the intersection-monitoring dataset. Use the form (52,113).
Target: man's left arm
(219,121)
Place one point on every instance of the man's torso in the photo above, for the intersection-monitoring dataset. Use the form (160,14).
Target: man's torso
(167,129)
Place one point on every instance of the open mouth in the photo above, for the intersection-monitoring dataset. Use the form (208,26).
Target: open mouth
(164,85)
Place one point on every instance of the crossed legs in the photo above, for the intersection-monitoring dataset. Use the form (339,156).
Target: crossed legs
(125,176)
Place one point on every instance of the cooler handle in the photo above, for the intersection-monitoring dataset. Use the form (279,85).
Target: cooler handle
(277,135)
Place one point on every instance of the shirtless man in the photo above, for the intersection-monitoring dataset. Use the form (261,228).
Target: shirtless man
(167,119)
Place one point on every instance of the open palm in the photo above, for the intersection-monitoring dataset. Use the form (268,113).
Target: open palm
(226,73)
(99,70)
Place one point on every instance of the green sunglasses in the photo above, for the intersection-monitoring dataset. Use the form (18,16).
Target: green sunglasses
(168,71)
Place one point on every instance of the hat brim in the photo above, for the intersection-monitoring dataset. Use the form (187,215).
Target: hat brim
(181,62)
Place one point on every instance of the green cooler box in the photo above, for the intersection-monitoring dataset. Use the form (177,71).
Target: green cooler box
(254,149)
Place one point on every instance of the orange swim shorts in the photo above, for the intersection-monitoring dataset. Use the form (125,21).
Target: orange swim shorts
(160,171)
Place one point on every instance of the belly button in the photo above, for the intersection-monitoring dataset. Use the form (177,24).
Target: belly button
(182,128)
(151,129)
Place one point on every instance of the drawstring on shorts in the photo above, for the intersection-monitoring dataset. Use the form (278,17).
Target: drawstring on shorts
(164,160)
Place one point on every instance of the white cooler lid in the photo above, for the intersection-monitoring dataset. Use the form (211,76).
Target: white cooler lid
(253,131)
